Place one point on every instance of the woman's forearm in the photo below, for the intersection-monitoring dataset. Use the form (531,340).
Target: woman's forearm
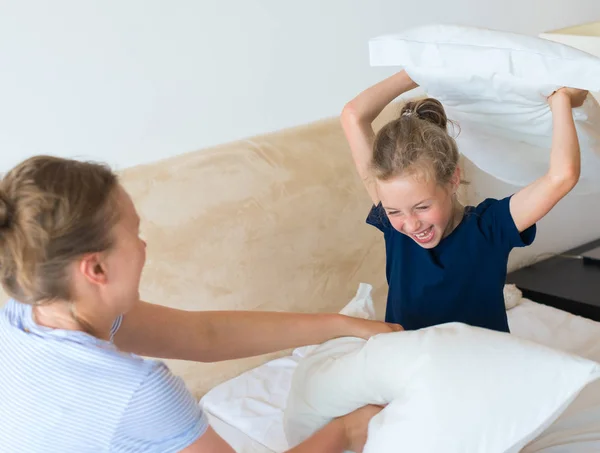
(330,439)
(238,334)
(211,336)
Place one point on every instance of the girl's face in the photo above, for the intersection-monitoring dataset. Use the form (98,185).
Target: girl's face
(420,207)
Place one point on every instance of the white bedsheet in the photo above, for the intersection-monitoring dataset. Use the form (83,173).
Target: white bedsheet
(578,428)
(248,410)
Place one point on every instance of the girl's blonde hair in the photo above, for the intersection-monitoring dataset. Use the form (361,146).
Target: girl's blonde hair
(416,142)
(52,211)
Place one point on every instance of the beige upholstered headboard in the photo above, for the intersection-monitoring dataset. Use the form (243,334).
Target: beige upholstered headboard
(272,223)
(275,222)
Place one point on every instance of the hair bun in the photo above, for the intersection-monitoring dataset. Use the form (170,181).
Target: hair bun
(428,109)
(5,211)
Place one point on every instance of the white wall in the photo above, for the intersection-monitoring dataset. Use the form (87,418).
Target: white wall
(133,81)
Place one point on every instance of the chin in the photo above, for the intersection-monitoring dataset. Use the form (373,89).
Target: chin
(429,245)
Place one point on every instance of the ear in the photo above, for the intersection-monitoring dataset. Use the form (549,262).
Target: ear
(455,180)
(93,269)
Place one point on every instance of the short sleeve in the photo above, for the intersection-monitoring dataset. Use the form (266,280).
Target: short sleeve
(162,416)
(378,218)
(497,224)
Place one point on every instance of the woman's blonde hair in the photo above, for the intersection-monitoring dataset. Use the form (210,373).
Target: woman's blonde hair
(416,142)
(52,211)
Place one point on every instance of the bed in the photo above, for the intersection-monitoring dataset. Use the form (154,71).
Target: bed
(248,410)
(278,208)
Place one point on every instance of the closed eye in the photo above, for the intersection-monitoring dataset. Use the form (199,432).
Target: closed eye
(422,208)
(394,213)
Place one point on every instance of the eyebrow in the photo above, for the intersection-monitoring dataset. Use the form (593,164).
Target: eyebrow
(395,209)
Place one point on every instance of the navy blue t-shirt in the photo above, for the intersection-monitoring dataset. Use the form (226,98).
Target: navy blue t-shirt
(461,279)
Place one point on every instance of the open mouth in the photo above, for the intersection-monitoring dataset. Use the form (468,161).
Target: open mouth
(425,236)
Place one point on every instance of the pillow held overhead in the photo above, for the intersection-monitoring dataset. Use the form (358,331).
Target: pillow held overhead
(495,85)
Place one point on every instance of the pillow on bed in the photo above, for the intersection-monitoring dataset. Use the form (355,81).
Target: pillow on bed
(254,401)
(451,388)
(495,85)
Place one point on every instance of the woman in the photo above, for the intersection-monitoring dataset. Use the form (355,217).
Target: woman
(72,335)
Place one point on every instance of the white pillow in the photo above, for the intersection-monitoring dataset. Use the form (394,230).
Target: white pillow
(451,388)
(513,296)
(495,85)
(253,402)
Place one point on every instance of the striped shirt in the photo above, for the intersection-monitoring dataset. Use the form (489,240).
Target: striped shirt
(67,391)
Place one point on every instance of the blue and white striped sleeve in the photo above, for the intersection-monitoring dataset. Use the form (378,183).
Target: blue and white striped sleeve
(162,416)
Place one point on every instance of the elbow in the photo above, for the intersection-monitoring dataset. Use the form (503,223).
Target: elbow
(566,179)
(350,115)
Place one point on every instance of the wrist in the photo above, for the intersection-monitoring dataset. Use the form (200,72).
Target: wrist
(349,326)
(340,325)
(338,426)
(560,98)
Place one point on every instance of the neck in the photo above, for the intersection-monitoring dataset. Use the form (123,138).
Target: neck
(66,316)
(458,211)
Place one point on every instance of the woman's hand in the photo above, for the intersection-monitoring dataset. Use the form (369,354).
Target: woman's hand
(575,96)
(356,426)
(364,328)
(342,434)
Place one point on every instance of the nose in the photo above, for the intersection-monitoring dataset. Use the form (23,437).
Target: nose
(412,224)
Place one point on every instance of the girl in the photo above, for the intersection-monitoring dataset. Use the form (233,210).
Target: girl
(446,262)
(72,379)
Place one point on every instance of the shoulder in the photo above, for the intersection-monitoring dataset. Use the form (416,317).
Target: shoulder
(493,219)
(488,211)
(490,205)
(162,415)
(13,311)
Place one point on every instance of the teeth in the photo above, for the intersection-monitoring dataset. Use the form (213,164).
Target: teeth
(424,234)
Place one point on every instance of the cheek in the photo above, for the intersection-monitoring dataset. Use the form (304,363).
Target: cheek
(436,217)
(142,245)
(141,255)
(136,256)
(396,222)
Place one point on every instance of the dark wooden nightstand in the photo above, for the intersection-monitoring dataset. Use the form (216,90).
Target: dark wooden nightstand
(565,283)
